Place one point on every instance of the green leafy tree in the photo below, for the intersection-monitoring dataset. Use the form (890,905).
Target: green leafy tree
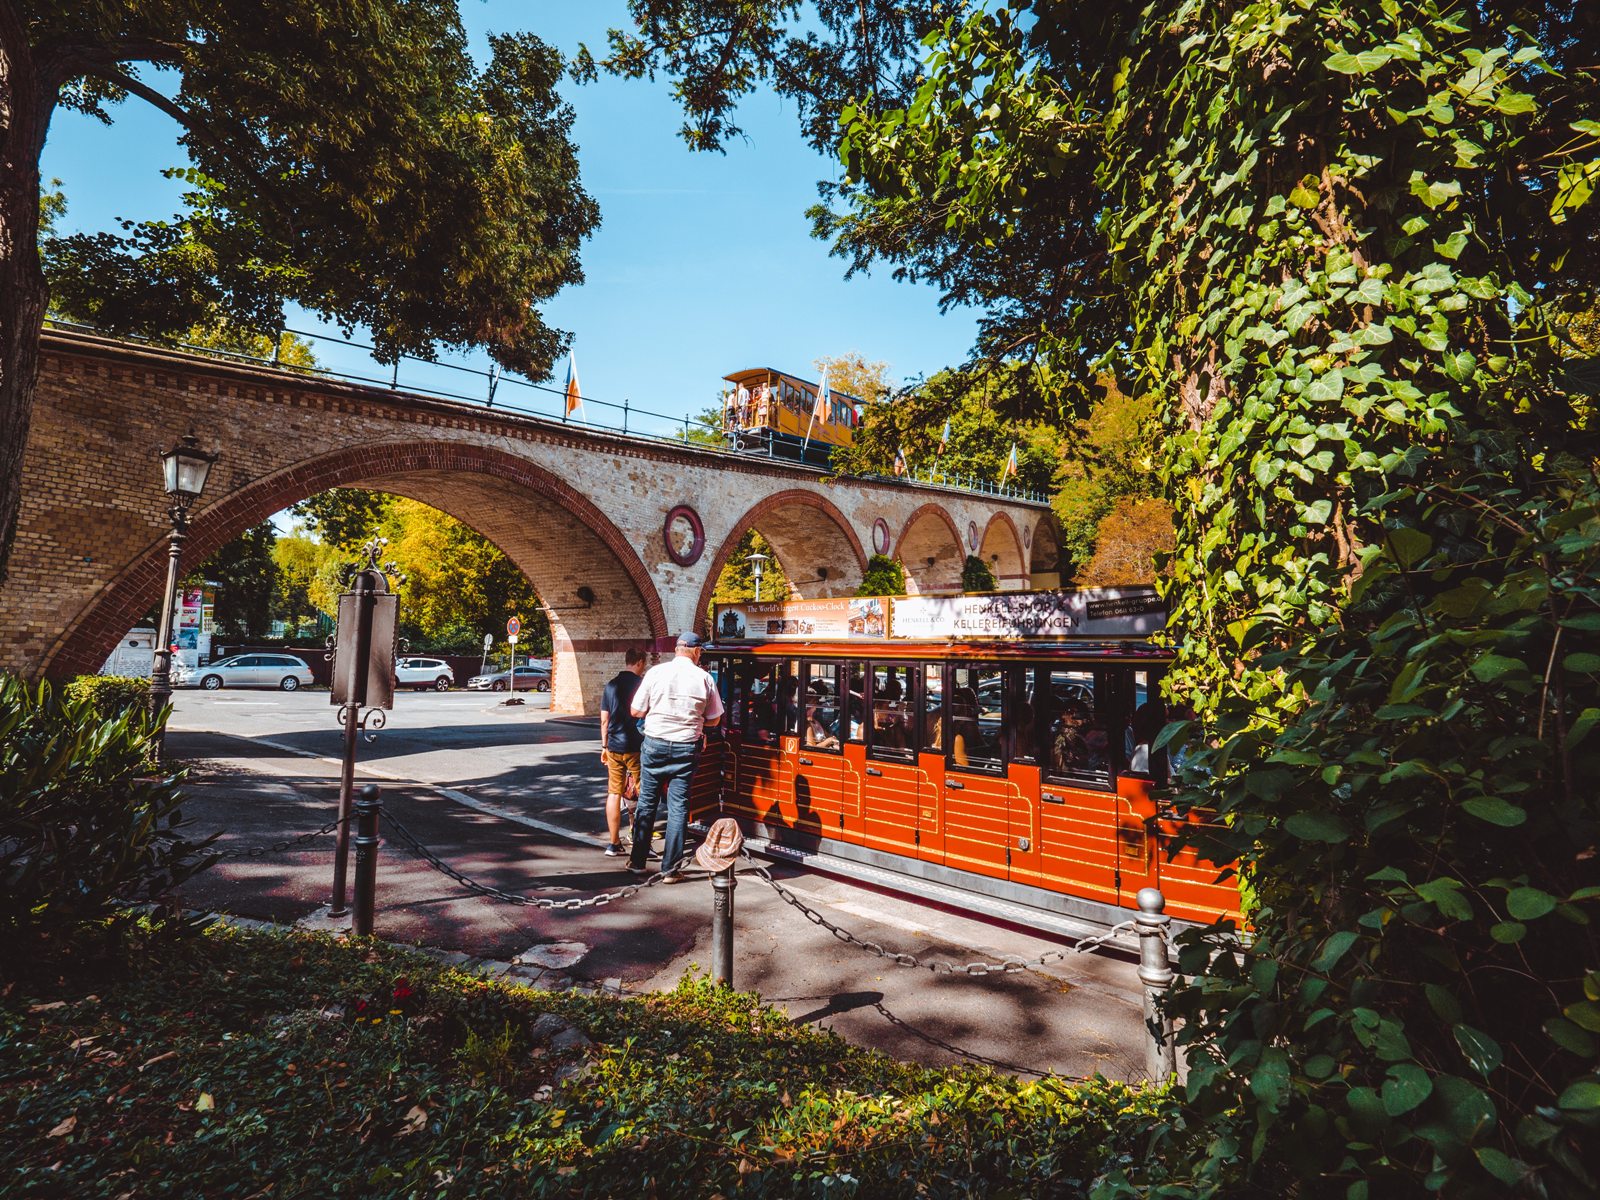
(977,576)
(300,563)
(884,576)
(246,572)
(1343,243)
(1114,455)
(344,517)
(737,580)
(351,159)
(986,415)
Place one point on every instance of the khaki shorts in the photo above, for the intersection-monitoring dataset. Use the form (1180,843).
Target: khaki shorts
(619,765)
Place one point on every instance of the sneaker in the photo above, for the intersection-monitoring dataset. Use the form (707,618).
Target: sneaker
(654,853)
(633,870)
(675,877)
(615,850)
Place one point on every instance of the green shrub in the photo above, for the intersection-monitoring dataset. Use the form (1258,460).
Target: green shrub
(229,1062)
(82,825)
(109,695)
(976,576)
(885,577)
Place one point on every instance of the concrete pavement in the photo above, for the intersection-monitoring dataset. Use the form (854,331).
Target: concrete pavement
(526,818)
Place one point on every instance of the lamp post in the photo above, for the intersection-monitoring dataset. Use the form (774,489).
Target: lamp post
(183,470)
(756,561)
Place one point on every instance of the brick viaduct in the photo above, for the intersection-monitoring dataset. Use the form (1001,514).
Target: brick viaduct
(572,507)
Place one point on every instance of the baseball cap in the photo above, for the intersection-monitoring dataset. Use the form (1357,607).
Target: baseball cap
(690,640)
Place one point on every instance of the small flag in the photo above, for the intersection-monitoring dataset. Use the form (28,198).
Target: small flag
(1011,464)
(944,438)
(574,396)
(900,461)
(819,410)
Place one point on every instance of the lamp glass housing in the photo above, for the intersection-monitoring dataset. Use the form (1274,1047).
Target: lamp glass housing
(184,469)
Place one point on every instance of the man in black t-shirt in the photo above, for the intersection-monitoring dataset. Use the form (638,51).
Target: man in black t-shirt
(620,740)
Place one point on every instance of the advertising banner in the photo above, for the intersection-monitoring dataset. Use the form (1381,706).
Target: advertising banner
(1092,612)
(812,620)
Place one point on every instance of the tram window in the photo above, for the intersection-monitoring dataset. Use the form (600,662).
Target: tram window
(1148,716)
(1022,724)
(853,678)
(1080,706)
(789,697)
(932,707)
(762,719)
(821,711)
(892,731)
(977,717)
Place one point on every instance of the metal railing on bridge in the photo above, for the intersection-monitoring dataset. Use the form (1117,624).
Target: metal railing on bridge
(506,392)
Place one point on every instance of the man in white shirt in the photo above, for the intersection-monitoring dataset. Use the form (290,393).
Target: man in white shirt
(676,702)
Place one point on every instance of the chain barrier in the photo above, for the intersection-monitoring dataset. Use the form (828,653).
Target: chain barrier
(286,844)
(412,843)
(937,966)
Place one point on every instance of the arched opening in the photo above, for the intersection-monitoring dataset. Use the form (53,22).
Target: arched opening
(813,542)
(598,595)
(930,549)
(1001,548)
(1043,547)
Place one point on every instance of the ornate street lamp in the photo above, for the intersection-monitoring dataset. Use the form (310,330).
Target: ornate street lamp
(183,471)
(756,561)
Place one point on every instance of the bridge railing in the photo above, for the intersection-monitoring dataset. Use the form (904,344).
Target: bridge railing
(346,361)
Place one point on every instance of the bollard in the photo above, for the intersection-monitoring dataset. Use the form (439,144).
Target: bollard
(1156,974)
(722,885)
(366,844)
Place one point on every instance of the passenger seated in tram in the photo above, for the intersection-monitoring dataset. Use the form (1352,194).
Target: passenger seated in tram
(1069,751)
(889,730)
(964,729)
(763,713)
(789,702)
(817,733)
(1148,720)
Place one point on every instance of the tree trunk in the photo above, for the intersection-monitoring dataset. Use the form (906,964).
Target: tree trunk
(24,116)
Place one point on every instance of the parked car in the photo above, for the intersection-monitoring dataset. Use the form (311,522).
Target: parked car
(423,673)
(282,671)
(527,679)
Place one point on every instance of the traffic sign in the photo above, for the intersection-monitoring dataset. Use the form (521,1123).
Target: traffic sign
(488,642)
(513,626)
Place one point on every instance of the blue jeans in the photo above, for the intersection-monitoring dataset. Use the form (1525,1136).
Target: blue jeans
(666,767)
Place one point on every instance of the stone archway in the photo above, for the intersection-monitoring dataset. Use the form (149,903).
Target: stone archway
(930,550)
(1001,548)
(810,537)
(1043,547)
(558,538)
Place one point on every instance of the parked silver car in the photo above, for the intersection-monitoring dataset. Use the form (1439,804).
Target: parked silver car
(527,679)
(422,673)
(282,671)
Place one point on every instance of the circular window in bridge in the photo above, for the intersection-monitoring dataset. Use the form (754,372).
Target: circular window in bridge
(684,535)
(972,536)
(880,536)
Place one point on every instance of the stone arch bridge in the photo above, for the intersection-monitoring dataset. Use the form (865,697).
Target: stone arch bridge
(622,537)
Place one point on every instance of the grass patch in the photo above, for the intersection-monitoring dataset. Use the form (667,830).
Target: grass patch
(247,1064)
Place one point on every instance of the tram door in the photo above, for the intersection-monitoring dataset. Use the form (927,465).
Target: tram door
(1087,831)
(890,785)
(977,795)
(819,758)
(763,774)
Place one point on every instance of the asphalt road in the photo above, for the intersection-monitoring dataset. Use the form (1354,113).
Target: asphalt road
(512,797)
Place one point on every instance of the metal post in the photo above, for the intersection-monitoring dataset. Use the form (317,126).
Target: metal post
(624,414)
(355,697)
(1156,974)
(367,809)
(161,666)
(722,885)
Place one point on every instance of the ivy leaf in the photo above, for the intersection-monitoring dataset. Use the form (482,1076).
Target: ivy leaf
(1571,1038)
(1495,811)
(1317,827)
(1529,903)
(1583,661)
(1481,1050)
(1501,1165)
(1360,63)
(1334,949)
(1493,667)
(1408,1086)
(1584,1095)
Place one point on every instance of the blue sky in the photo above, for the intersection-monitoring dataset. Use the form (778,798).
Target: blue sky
(702,265)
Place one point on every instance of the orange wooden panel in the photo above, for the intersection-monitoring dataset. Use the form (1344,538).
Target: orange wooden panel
(930,807)
(819,786)
(889,806)
(764,780)
(1023,824)
(977,822)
